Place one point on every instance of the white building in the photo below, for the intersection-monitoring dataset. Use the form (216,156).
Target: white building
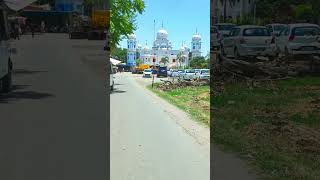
(162,48)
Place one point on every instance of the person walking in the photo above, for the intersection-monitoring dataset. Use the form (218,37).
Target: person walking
(16,30)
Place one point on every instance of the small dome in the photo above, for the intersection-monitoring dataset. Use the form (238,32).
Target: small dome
(162,34)
(139,46)
(146,47)
(132,36)
(196,37)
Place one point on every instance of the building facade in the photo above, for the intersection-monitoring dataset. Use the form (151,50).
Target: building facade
(162,49)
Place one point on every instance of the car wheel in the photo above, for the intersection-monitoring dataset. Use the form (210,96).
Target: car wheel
(7,80)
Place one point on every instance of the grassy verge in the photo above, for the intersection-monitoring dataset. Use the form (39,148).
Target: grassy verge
(275,126)
(193,100)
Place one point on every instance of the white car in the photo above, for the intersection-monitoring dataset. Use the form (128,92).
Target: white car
(204,74)
(276,28)
(174,73)
(5,54)
(249,41)
(189,74)
(147,73)
(299,39)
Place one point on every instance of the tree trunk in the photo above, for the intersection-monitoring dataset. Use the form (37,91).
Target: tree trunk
(225,11)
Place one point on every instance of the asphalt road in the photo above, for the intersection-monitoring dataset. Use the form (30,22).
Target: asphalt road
(53,124)
(146,143)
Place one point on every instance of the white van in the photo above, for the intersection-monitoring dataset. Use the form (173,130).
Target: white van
(5,53)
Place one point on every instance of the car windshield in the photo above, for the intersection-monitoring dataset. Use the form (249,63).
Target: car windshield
(279,27)
(225,27)
(306,31)
(256,32)
(147,70)
(190,71)
(204,71)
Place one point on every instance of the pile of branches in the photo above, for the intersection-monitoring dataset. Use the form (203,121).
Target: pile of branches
(262,70)
(168,85)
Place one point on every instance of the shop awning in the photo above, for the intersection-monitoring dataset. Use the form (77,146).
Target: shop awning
(114,61)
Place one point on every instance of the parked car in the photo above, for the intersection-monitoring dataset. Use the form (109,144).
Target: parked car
(5,53)
(147,73)
(276,28)
(189,74)
(172,72)
(197,71)
(248,41)
(299,39)
(224,28)
(162,72)
(204,74)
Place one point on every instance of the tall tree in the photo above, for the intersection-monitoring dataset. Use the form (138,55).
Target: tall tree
(164,60)
(122,18)
(119,54)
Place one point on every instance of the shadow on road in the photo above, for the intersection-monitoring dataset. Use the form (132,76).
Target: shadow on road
(24,71)
(115,90)
(19,95)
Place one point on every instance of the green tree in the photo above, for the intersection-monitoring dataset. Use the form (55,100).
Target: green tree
(164,60)
(122,18)
(139,61)
(199,62)
(303,12)
(119,54)
(180,58)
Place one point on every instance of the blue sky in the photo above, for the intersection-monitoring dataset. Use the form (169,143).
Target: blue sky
(180,18)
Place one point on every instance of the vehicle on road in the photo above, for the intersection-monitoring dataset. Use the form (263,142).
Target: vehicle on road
(299,39)
(147,73)
(162,72)
(276,28)
(249,41)
(175,73)
(204,74)
(5,53)
(140,68)
(189,74)
(197,71)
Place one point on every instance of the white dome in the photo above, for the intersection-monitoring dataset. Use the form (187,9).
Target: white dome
(196,37)
(146,47)
(162,34)
(132,36)
(139,46)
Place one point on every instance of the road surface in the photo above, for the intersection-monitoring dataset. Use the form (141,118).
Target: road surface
(146,143)
(147,140)
(53,125)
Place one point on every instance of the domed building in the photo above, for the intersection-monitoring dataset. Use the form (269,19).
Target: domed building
(196,45)
(162,48)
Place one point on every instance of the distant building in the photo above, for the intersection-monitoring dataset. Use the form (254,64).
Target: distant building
(162,48)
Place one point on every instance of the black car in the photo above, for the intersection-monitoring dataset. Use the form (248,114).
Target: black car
(162,72)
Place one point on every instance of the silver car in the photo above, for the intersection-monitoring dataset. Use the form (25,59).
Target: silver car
(249,41)
(189,74)
(299,39)
(204,74)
